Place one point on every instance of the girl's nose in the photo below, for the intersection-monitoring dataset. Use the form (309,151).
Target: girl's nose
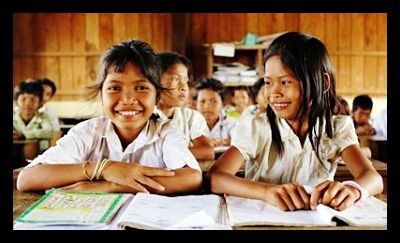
(275,90)
(128,97)
(183,86)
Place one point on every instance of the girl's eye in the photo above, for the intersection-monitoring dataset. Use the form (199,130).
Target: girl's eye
(285,82)
(142,88)
(174,78)
(113,88)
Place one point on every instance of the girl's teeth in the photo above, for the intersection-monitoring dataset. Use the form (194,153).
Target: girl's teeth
(128,113)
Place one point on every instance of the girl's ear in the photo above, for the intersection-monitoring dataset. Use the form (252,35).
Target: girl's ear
(327,82)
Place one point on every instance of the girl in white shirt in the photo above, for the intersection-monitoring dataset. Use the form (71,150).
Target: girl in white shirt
(176,71)
(128,150)
(299,141)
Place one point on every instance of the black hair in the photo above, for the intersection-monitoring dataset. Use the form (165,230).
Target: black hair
(256,88)
(362,102)
(30,87)
(308,59)
(133,51)
(48,82)
(213,84)
(168,59)
(342,106)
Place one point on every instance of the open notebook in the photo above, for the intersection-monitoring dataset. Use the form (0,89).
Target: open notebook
(150,211)
(67,210)
(247,212)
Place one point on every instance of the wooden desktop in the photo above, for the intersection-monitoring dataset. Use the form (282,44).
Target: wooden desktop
(22,200)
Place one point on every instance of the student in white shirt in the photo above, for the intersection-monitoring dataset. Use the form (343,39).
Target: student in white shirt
(300,141)
(257,93)
(380,123)
(49,90)
(176,71)
(209,101)
(126,151)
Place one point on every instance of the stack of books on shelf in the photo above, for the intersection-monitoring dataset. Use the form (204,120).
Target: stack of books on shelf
(235,72)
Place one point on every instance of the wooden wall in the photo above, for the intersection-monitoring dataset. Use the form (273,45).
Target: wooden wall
(66,47)
(356,42)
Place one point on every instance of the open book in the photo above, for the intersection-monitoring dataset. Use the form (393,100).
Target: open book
(60,209)
(150,211)
(246,212)
(67,210)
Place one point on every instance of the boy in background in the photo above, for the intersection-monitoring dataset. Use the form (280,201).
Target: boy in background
(210,97)
(49,90)
(28,121)
(240,100)
(361,114)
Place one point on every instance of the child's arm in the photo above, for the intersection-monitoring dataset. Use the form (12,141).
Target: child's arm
(219,141)
(186,179)
(340,196)
(202,149)
(222,179)
(45,176)
(99,186)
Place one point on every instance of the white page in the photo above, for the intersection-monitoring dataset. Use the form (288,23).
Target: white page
(245,211)
(370,212)
(150,211)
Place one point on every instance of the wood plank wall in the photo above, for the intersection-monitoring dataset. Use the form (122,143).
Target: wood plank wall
(357,43)
(66,47)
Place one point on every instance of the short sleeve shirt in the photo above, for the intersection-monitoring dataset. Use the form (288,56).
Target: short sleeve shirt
(158,145)
(224,127)
(253,138)
(188,121)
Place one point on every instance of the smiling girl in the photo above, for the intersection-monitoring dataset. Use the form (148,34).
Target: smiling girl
(299,141)
(128,150)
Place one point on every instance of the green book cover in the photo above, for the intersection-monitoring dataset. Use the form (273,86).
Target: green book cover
(68,207)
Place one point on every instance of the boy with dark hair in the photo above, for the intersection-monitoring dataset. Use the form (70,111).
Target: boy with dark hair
(210,103)
(28,121)
(361,114)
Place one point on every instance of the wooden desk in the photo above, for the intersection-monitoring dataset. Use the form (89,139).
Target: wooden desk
(24,149)
(22,200)
(377,144)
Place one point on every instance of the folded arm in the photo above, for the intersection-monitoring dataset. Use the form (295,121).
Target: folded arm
(202,148)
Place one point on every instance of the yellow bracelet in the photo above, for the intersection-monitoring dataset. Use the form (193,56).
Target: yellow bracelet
(84,165)
(95,170)
(101,168)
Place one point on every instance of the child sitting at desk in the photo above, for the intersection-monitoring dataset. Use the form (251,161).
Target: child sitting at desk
(28,121)
(129,150)
(361,114)
(298,142)
(240,100)
(49,90)
(210,96)
(176,73)
(257,93)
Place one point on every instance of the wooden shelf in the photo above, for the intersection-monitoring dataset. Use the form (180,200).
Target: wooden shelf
(258,58)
